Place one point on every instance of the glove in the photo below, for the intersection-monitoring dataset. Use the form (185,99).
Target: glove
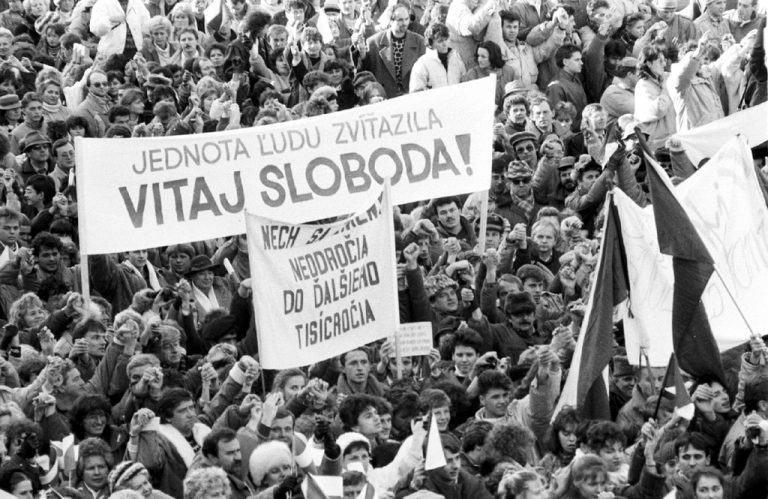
(323,434)
(9,333)
(290,484)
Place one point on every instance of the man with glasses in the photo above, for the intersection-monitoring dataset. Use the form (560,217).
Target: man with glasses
(64,156)
(95,107)
(518,205)
(391,54)
(524,148)
(37,148)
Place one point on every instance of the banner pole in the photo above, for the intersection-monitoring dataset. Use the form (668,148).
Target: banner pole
(752,333)
(387,210)
(85,279)
(483,224)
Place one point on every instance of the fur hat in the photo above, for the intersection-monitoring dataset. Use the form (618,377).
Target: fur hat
(519,169)
(530,271)
(515,303)
(123,473)
(214,330)
(265,456)
(435,283)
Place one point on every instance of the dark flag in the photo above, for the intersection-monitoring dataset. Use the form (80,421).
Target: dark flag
(692,265)
(674,389)
(611,288)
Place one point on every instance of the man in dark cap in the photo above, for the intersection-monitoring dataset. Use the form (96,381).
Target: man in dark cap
(524,147)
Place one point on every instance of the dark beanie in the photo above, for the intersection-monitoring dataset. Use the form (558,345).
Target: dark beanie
(516,303)
(217,328)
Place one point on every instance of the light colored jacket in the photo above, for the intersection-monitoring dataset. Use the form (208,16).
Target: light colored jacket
(112,38)
(466,27)
(655,111)
(429,72)
(520,56)
(694,96)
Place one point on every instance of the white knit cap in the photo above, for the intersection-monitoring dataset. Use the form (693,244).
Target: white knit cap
(345,439)
(266,456)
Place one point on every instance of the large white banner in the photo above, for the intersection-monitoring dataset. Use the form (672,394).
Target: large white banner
(321,290)
(704,141)
(143,193)
(725,204)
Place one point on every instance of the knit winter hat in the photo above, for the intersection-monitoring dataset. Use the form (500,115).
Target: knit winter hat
(346,439)
(265,456)
(519,169)
(530,271)
(123,473)
(435,283)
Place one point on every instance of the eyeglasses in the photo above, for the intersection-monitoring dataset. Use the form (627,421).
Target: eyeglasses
(520,181)
(528,148)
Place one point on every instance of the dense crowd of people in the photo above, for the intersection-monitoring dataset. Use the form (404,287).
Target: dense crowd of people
(151,388)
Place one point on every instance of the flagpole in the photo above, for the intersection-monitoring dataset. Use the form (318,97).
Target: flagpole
(387,210)
(752,333)
(483,224)
(661,392)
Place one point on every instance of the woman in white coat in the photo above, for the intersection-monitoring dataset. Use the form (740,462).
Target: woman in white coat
(114,21)
(439,66)
(653,105)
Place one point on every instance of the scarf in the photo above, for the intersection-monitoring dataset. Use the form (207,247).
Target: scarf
(177,440)
(154,283)
(52,108)
(207,302)
(164,56)
(525,203)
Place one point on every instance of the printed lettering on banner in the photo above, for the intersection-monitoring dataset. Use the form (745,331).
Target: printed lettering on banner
(149,192)
(321,290)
